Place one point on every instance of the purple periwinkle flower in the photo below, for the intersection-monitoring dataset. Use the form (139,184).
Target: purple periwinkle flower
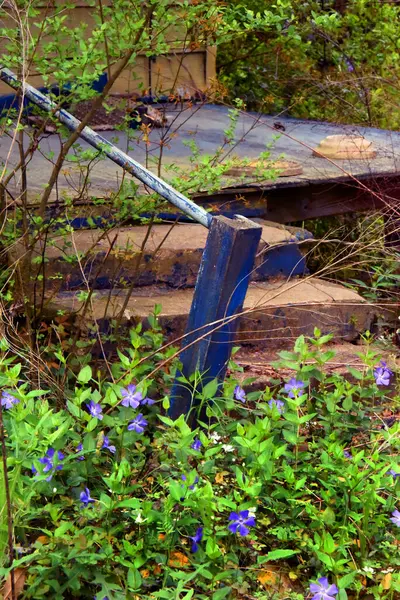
(85,497)
(349,65)
(395,518)
(34,469)
(278,404)
(8,401)
(191,487)
(239,394)
(322,590)
(131,397)
(107,446)
(138,424)
(79,448)
(48,461)
(95,410)
(196,539)
(294,388)
(393,473)
(382,374)
(347,454)
(241,522)
(196,444)
(147,401)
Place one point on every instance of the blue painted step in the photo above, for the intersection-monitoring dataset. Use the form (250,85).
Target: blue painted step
(172,254)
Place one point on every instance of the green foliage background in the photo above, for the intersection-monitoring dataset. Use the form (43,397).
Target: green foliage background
(321,59)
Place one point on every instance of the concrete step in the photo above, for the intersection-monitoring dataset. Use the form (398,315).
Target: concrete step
(172,254)
(276,312)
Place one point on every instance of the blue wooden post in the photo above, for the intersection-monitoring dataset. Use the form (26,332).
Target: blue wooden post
(221,287)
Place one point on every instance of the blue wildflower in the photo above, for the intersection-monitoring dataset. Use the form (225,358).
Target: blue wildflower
(294,388)
(131,397)
(196,539)
(393,473)
(241,522)
(138,424)
(8,401)
(48,461)
(382,374)
(278,404)
(349,65)
(347,454)
(147,401)
(196,444)
(239,394)
(79,448)
(322,590)
(395,518)
(85,497)
(107,446)
(95,410)
(191,487)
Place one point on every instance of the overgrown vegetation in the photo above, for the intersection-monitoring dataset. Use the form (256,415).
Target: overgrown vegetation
(320,59)
(287,493)
(275,490)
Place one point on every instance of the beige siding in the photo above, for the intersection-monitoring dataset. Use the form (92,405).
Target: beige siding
(176,71)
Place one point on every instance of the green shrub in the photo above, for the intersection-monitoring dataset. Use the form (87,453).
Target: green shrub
(112,498)
(316,61)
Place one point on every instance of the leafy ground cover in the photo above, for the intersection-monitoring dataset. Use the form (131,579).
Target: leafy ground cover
(292,492)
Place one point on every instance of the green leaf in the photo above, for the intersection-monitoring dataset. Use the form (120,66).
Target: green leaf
(329,544)
(329,516)
(210,389)
(92,424)
(63,528)
(221,593)
(37,393)
(134,579)
(212,549)
(129,503)
(300,483)
(290,436)
(276,555)
(355,372)
(347,579)
(347,403)
(73,409)
(85,374)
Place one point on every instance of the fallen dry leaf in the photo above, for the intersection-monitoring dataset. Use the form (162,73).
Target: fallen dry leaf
(157,570)
(219,477)
(386,581)
(42,539)
(178,560)
(267,578)
(19,582)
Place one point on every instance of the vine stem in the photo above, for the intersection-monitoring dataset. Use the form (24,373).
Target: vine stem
(8,502)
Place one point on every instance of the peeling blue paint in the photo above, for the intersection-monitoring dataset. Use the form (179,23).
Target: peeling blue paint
(220,291)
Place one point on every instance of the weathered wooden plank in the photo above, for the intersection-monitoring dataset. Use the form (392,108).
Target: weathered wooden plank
(288,202)
(221,287)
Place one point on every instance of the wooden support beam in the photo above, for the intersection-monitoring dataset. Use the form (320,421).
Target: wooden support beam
(221,287)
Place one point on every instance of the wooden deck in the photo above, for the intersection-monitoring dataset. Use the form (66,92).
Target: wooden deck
(325,187)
